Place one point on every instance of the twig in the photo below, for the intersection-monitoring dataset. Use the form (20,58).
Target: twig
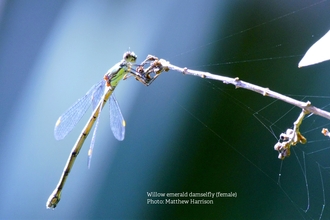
(249,86)
(290,138)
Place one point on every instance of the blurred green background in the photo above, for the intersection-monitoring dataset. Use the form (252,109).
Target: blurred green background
(183,134)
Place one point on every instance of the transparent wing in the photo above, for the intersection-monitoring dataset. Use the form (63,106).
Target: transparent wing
(70,118)
(98,93)
(91,147)
(117,122)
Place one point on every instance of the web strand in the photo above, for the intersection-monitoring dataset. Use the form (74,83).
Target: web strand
(273,125)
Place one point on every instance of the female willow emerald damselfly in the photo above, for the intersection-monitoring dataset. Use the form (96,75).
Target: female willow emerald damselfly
(97,96)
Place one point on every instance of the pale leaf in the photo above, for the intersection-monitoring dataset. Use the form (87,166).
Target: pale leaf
(318,52)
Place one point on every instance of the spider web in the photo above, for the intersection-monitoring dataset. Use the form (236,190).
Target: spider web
(306,162)
(304,177)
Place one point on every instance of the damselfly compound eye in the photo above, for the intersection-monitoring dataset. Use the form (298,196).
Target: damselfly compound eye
(130,57)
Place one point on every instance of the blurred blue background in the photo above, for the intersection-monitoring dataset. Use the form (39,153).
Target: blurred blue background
(183,134)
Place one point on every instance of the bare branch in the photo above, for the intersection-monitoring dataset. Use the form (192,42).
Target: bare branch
(249,86)
(290,138)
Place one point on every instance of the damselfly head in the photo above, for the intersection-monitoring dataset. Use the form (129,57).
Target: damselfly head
(130,57)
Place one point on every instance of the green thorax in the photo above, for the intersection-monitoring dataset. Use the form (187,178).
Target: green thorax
(117,72)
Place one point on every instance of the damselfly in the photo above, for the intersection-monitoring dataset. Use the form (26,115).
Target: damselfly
(97,96)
